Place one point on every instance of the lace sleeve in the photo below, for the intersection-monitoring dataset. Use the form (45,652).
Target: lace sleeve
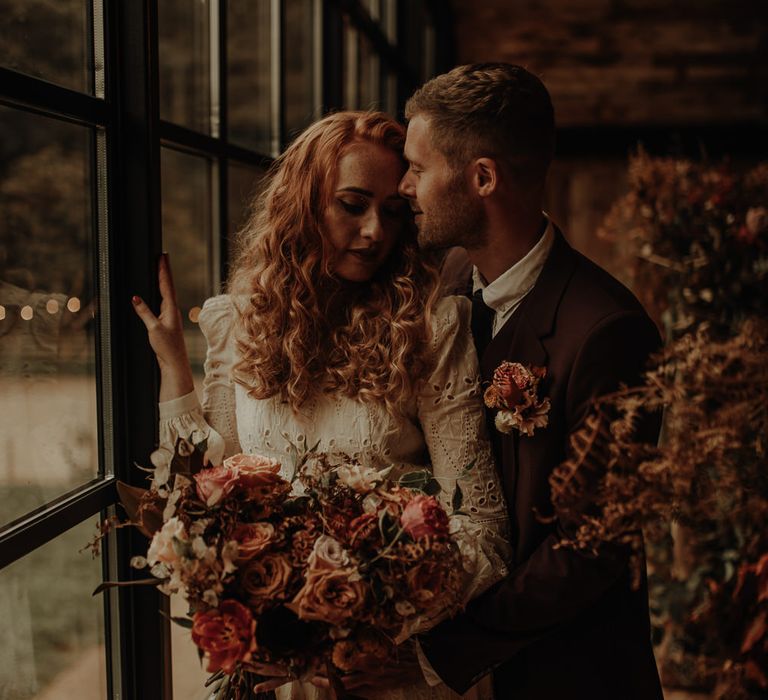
(452,416)
(215,419)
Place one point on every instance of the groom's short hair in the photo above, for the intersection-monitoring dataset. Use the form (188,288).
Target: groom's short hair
(496,110)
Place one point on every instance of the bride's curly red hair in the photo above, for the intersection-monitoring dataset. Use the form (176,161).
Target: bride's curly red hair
(303,330)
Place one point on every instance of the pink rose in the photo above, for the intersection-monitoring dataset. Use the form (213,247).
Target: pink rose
(252,539)
(258,476)
(252,465)
(225,634)
(215,483)
(424,517)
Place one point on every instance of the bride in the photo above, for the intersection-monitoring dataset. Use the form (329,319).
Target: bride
(333,333)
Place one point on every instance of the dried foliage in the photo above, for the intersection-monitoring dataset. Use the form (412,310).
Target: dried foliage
(709,476)
(697,236)
(695,239)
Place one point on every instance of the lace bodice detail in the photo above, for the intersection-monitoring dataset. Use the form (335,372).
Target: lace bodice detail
(443,429)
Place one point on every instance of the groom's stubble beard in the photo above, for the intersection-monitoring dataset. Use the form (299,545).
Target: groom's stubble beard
(459,221)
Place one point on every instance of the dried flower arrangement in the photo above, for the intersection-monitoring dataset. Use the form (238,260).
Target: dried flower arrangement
(699,499)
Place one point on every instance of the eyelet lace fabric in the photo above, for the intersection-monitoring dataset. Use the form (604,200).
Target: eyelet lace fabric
(443,429)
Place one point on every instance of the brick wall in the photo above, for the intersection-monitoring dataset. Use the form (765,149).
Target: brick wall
(630,61)
(625,64)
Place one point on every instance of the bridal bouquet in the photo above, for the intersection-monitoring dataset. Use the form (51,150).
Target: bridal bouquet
(327,573)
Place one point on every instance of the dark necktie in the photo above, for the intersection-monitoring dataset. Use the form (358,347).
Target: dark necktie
(482,322)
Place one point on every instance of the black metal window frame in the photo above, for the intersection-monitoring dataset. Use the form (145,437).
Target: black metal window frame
(127,136)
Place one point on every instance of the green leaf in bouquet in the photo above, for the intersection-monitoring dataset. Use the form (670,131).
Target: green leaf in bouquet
(184,622)
(458,498)
(415,480)
(432,487)
(467,469)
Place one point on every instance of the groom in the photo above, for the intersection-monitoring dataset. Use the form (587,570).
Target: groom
(563,624)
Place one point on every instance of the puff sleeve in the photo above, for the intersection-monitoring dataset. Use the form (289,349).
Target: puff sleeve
(214,419)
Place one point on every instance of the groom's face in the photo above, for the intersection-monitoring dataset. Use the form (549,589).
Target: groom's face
(446,212)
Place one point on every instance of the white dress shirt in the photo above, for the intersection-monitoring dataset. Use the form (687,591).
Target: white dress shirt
(509,289)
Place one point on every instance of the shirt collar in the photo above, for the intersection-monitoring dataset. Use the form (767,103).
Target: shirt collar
(511,286)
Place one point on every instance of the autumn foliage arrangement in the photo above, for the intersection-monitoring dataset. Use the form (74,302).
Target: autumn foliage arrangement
(698,235)
(325,572)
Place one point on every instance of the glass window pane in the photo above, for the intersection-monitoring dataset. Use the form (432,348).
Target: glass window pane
(47,302)
(351,65)
(52,636)
(187,213)
(244,182)
(48,40)
(249,79)
(389,19)
(299,78)
(185,63)
(369,75)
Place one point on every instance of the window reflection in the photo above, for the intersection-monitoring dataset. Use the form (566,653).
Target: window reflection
(185,63)
(52,636)
(351,65)
(188,238)
(244,183)
(48,432)
(299,77)
(48,40)
(249,78)
(369,76)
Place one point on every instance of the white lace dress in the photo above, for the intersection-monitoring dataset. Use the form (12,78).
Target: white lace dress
(444,428)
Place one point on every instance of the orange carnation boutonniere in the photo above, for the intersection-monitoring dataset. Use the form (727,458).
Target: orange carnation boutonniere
(513,393)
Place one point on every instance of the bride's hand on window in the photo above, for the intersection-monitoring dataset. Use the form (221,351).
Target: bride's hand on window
(166,336)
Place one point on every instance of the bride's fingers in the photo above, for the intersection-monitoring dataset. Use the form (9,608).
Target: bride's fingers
(270,669)
(266,686)
(144,312)
(165,282)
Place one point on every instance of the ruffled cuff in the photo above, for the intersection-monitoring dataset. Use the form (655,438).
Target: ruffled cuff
(176,407)
(183,418)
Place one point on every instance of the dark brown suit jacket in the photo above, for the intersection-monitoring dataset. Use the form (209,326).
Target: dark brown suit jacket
(562,624)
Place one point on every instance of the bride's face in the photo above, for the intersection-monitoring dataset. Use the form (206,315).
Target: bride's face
(366,215)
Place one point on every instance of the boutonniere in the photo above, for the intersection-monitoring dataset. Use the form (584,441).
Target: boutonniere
(513,393)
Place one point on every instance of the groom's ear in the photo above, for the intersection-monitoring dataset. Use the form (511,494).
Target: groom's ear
(485,176)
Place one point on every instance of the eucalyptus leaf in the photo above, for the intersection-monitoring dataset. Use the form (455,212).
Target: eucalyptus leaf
(432,487)
(415,480)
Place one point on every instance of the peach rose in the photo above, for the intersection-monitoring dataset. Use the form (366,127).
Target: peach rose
(215,483)
(424,517)
(162,548)
(252,465)
(266,579)
(328,553)
(252,539)
(336,596)
(357,477)
(225,634)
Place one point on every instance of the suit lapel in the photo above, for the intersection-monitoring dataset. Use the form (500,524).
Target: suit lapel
(521,338)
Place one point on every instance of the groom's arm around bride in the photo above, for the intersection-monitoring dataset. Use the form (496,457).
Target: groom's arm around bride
(563,623)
